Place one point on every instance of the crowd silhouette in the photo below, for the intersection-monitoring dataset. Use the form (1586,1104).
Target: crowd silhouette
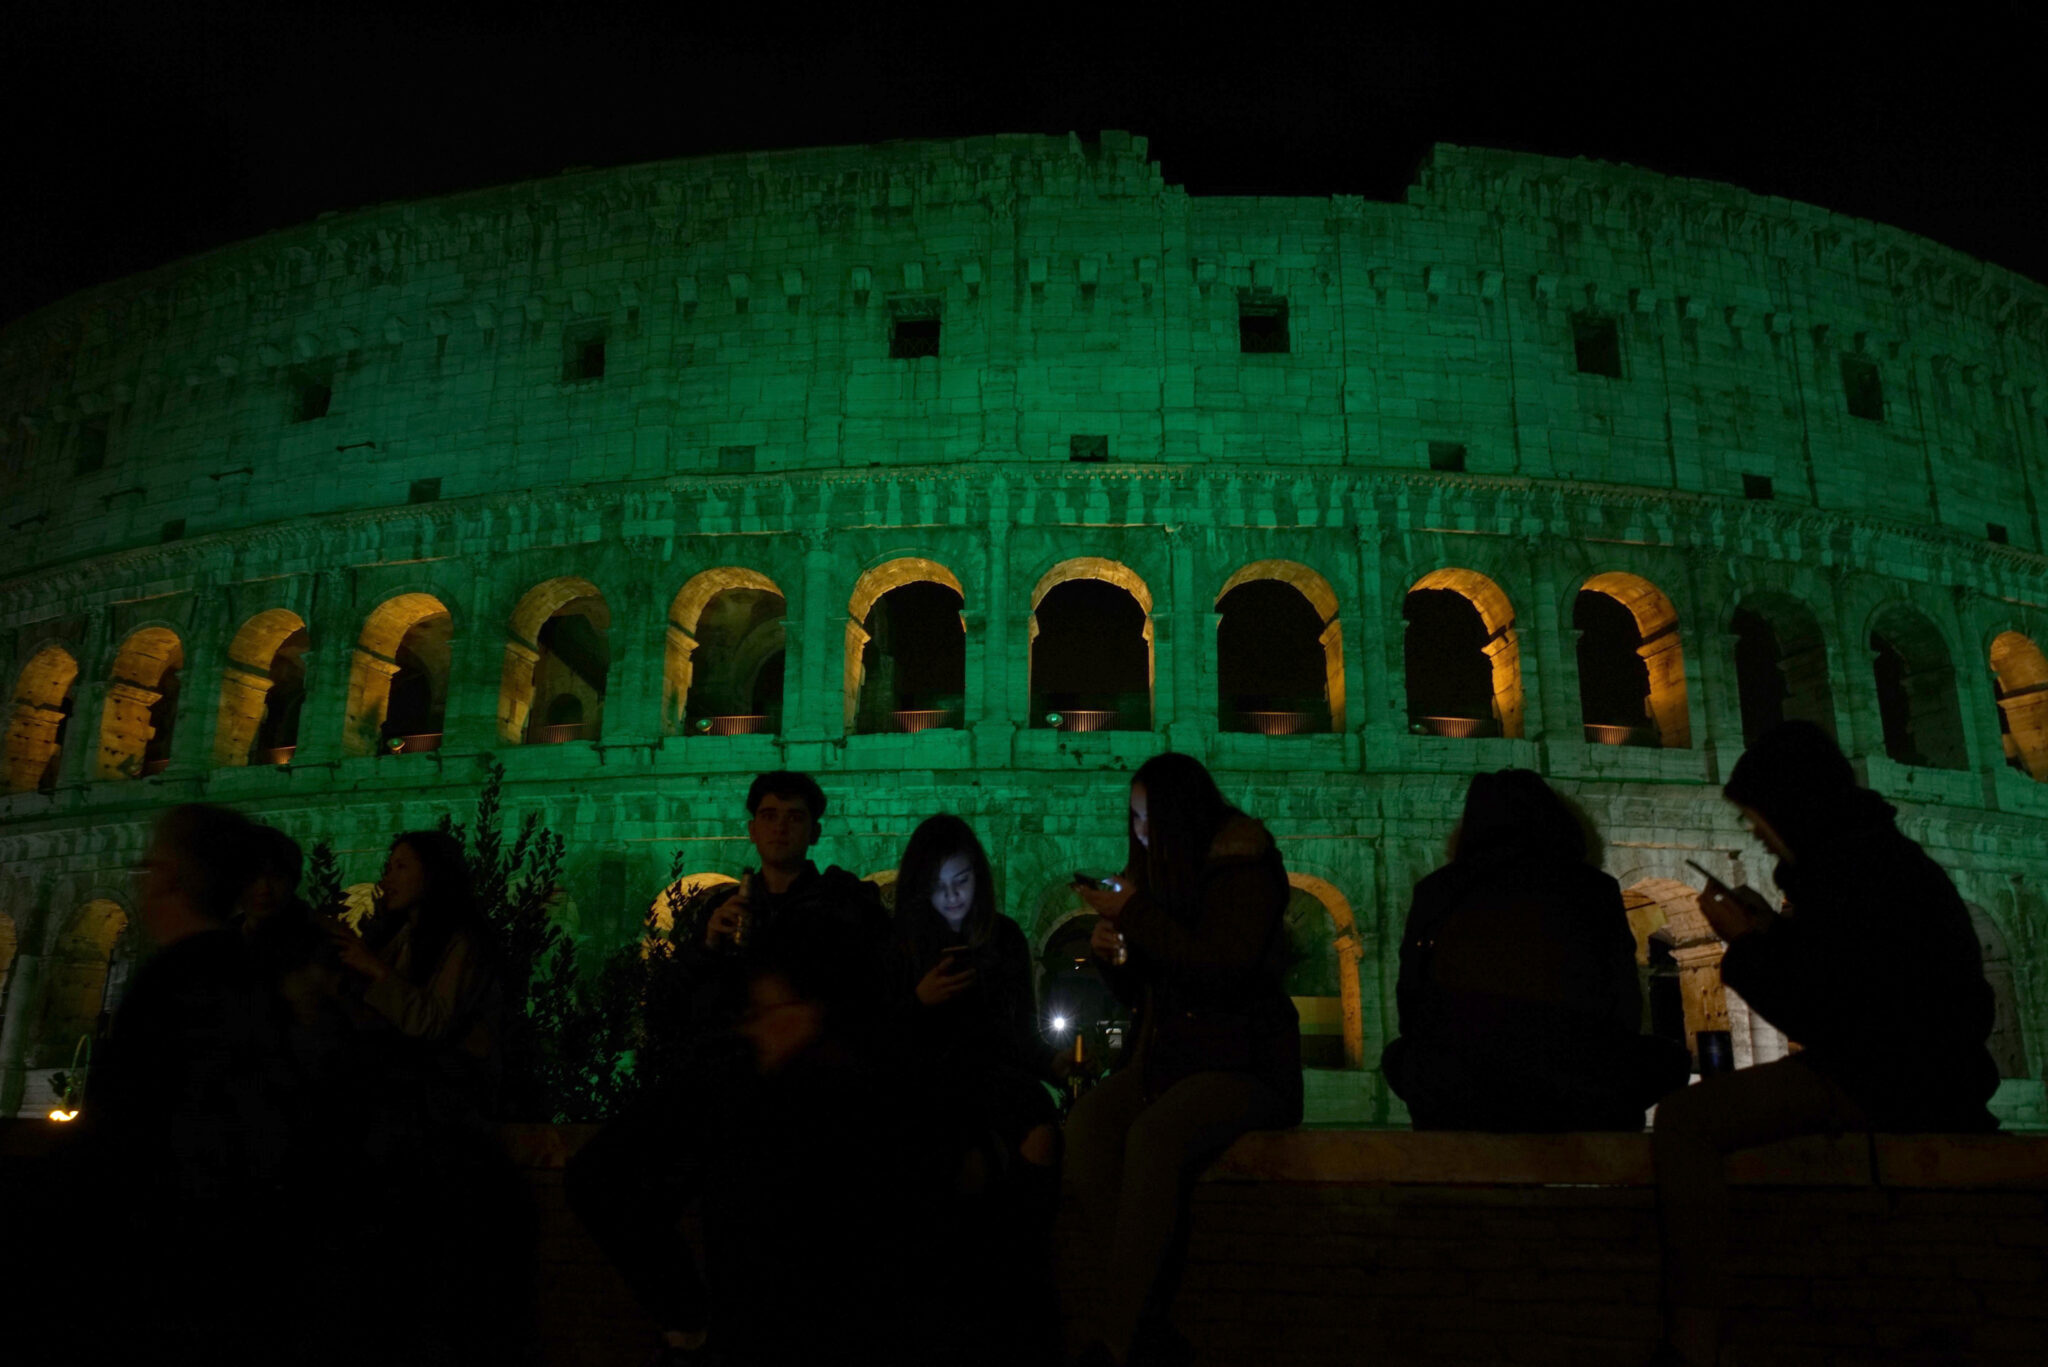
(289,1136)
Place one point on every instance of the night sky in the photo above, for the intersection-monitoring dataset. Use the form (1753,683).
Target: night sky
(138,135)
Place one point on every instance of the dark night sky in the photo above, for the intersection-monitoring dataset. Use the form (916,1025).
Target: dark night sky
(136,135)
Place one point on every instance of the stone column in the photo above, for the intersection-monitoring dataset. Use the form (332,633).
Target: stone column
(633,710)
(24,995)
(679,670)
(31,740)
(1670,704)
(1547,669)
(332,631)
(994,631)
(818,643)
(237,716)
(476,675)
(1699,987)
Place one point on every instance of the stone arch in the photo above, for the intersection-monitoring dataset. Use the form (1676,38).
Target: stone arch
(1496,640)
(2020,690)
(42,710)
(140,717)
(1665,916)
(1914,677)
(548,654)
(713,671)
(1781,663)
(1344,935)
(885,886)
(2007,1044)
(1656,646)
(680,891)
(1326,646)
(398,676)
(1109,671)
(877,583)
(81,978)
(262,669)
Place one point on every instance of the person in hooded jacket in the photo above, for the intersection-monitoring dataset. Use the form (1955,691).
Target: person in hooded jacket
(1520,1006)
(1199,919)
(1871,966)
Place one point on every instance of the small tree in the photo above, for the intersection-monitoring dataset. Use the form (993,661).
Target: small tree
(323,875)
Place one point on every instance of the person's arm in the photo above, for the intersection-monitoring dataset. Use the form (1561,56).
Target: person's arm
(1227,943)
(435,1009)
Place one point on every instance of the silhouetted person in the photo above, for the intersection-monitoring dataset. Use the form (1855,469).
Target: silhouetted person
(1872,967)
(1200,918)
(185,1117)
(1520,1005)
(634,1179)
(437,1206)
(971,1041)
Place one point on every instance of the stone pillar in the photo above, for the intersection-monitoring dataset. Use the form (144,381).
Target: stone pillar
(476,673)
(994,631)
(1376,707)
(1699,987)
(1548,671)
(125,731)
(1670,707)
(239,714)
(818,643)
(633,710)
(332,631)
(515,691)
(31,741)
(24,994)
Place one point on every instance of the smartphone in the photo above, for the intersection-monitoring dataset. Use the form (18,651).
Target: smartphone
(1086,880)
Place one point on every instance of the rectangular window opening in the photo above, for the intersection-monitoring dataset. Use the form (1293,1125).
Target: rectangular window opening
(913,329)
(1088,448)
(1262,325)
(1596,344)
(1863,388)
(583,354)
(1996,533)
(1447,456)
(736,458)
(311,398)
(1756,486)
(425,491)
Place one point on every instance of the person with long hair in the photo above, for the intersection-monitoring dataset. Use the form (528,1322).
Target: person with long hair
(1198,919)
(1520,1008)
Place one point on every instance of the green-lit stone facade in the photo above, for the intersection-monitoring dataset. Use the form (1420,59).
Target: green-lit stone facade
(579,461)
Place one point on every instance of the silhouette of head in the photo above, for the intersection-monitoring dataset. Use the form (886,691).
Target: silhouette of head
(1516,809)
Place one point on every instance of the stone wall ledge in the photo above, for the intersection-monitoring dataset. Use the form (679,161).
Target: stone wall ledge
(1345,1157)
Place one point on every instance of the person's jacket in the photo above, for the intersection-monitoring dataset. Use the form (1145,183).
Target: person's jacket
(831,917)
(1208,990)
(1876,972)
(453,1017)
(993,1024)
(1513,941)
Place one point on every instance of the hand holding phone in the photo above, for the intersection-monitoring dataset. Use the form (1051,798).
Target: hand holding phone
(1732,912)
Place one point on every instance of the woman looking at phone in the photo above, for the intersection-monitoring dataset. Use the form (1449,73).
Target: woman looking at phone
(1200,913)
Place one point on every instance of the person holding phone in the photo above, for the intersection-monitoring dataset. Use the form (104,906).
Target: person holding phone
(1872,967)
(1201,912)
(971,1040)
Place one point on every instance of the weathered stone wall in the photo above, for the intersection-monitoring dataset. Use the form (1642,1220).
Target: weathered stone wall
(391,413)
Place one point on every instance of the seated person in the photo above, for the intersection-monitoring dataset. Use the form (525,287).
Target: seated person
(1871,966)
(1520,1007)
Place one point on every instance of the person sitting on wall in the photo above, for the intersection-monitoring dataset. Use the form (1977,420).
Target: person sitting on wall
(1199,918)
(1872,966)
(632,1181)
(1520,1008)
(971,1038)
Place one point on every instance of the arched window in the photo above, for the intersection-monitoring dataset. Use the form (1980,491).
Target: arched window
(723,674)
(1916,691)
(43,698)
(1073,999)
(1631,666)
(1279,651)
(1781,665)
(1680,957)
(560,646)
(2007,1044)
(2020,688)
(1091,648)
(82,981)
(142,705)
(679,893)
(1462,658)
(398,677)
(262,689)
(906,649)
(1323,975)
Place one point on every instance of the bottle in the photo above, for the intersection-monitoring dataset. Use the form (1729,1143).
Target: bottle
(1078,1080)
(739,932)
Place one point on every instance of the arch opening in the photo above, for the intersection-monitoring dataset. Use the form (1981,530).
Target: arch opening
(1279,652)
(1916,691)
(559,646)
(263,688)
(726,648)
(83,978)
(398,677)
(141,715)
(45,692)
(1323,975)
(906,649)
(2007,1043)
(1091,663)
(2019,688)
(1631,666)
(1781,665)
(1073,1000)
(1461,657)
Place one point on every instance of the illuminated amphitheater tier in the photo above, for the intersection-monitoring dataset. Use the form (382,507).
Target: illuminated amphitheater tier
(966,475)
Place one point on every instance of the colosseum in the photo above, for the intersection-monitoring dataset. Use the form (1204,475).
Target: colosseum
(965,475)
